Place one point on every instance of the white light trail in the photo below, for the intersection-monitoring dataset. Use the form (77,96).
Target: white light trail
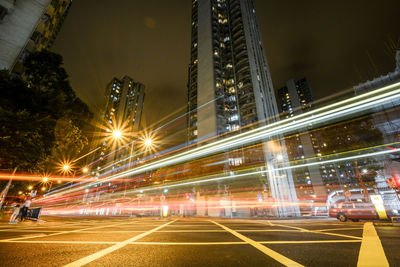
(323,115)
(268,131)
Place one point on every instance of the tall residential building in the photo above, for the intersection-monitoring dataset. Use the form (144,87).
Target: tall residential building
(27,26)
(229,83)
(229,80)
(296,95)
(123,108)
(295,98)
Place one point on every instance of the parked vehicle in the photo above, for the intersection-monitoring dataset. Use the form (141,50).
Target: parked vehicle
(353,211)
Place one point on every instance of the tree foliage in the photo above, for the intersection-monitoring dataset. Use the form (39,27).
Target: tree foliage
(41,118)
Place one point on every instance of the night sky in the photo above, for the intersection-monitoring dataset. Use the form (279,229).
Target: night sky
(335,44)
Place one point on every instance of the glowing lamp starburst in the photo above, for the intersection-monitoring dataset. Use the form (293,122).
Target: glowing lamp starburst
(148,142)
(117,134)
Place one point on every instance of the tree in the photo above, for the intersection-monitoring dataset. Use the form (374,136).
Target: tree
(41,117)
(69,142)
(44,73)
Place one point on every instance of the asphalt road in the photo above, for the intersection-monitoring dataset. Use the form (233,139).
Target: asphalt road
(78,241)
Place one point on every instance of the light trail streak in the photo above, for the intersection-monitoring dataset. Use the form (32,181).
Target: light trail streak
(290,122)
(321,115)
(87,154)
(272,170)
(25,177)
(269,130)
(202,180)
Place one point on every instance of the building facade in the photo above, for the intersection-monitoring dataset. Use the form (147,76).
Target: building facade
(229,84)
(297,94)
(27,26)
(295,98)
(386,119)
(229,80)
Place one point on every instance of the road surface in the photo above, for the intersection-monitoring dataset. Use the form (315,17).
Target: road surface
(91,241)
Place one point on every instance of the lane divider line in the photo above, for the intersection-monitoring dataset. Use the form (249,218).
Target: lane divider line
(304,230)
(269,252)
(371,250)
(310,241)
(62,232)
(47,226)
(106,251)
(188,243)
(178,243)
(339,229)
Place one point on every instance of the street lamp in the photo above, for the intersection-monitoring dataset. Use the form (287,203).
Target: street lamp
(45,179)
(85,170)
(30,187)
(117,134)
(148,142)
(66,167)
(43,188)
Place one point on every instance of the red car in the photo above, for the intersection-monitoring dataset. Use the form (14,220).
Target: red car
(353,211)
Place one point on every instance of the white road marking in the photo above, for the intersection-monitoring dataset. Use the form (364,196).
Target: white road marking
(61,232)
(48,226)
(84,231)
(339,229)
(188,243)
(371,250)
(178,243)
(190,231)
(269,252)
(191,225)
(310,242)
(265,230)
(304,230)
(106,251)
(60,242)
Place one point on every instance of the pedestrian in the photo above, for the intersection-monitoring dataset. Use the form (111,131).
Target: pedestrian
(16,210)
(24,209)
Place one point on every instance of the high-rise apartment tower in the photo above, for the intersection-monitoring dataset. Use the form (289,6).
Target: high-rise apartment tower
(27,26)
(295,97)
(229,82)
(124,106)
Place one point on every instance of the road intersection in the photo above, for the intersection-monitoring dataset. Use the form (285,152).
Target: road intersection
(99,241)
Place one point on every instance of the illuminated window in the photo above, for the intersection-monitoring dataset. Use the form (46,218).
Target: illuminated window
(232,98)
(234,117)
